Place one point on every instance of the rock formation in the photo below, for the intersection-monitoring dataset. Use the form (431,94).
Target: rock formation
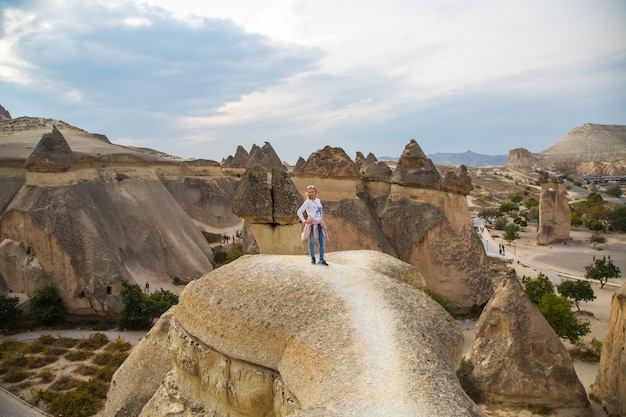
(610,385)
(518,359)
(84,214)
(555,221)
(521,157)
(4,114)
(271,335)
(590,149)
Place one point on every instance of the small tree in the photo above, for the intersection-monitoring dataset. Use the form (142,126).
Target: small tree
(500,223)
(8,311)
(46,305)
(596,238)
(160,301)
(577,291)
(614,191)
(558,313)
(536,288)
(140,308)
(601,270)
(136,312)
(511,232)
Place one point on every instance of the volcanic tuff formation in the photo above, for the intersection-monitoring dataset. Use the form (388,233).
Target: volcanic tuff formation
(554,213)
(271,335)
(413,213)
(518,359)
(610,385)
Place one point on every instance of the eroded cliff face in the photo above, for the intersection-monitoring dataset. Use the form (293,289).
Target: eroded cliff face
(271,335)
(90,235)
(610,385)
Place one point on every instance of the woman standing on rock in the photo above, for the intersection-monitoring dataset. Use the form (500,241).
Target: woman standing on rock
(314,226)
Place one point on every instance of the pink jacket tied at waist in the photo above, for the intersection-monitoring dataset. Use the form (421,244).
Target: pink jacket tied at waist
(306,231)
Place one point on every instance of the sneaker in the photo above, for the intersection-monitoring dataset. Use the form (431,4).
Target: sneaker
(322,262)
(313,261)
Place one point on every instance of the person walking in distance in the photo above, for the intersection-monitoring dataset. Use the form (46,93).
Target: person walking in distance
(314,225)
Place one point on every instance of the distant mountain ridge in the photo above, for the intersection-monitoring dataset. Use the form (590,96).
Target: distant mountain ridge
(468,158)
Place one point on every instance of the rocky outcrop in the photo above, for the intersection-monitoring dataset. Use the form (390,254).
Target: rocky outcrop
(265,203)
(264,157)
(518,359)
(271,335)
(554,213)
(589,142)
(521,157)
(426,226)
(414,169)
(51,154)
(4,114)
(84,215)
(610,384)
(330,163)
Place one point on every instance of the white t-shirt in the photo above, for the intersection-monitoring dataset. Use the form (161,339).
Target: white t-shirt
(313,209)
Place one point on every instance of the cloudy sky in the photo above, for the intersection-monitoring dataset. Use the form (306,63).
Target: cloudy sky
(197,78)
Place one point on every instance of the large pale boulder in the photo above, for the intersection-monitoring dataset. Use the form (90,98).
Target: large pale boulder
(274,335)
(610,385)
(555,221)
(143,370)
(518,359)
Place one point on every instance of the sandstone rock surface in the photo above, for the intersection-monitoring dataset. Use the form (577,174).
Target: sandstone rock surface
(610,385)
(273,335)
(554,214)
(518,358)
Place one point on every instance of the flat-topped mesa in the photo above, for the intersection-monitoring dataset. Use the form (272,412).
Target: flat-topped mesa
(52,154)
(330,163)
(521,157)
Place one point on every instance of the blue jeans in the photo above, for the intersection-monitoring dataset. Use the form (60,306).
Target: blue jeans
(312,241)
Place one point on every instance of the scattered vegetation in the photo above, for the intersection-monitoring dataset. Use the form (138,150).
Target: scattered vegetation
(587,351)
(599,215)
(81,395)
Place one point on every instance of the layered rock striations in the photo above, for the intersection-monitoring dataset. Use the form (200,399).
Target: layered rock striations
(517,357)
(84,215)
(610,384)
(269,335)
(590,149)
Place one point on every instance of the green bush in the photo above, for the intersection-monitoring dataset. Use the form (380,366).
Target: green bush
(46,306)
(8,311)
(79,403)
(588,352)
(448,305)
(78,355)
(557,311)
(15,374)
(46,376)
(536,287)
(95,341)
